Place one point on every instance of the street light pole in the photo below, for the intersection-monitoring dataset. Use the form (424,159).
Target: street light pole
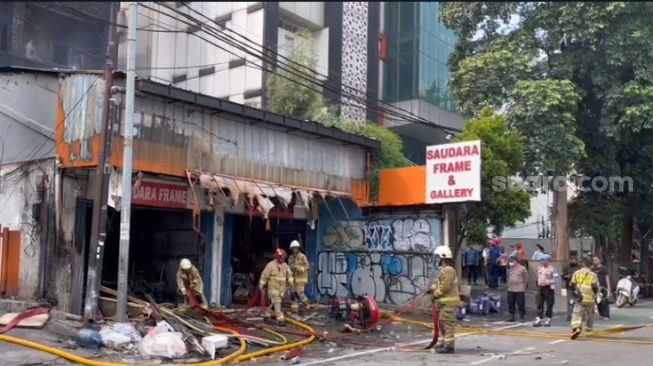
(125,202)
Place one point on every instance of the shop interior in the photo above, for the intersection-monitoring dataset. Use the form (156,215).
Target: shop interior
(160,239)
(253,247)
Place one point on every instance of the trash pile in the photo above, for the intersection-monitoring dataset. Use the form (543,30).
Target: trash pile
(165,332)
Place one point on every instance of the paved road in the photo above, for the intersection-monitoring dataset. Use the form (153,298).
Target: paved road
(471,349)
(516,350)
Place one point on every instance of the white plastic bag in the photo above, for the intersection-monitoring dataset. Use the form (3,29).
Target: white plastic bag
(120,336)
(162,345)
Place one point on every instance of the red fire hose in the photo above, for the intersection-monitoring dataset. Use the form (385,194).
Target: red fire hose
(23,316)
(436,326)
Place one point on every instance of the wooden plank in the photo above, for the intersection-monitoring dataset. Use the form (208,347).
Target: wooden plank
(37,321)
(13,261)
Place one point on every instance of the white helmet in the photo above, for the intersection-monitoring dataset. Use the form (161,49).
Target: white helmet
(443,252)
(185,264)
(294,244)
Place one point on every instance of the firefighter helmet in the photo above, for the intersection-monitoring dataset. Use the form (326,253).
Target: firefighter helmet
(280,254)
(443,252)
(294,244)
(185,264)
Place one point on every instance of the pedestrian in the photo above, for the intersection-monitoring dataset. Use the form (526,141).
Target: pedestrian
(471,262)
(585,285)
(604,285)
(517,285)
(545,297)
(447,298)
(539,251)
(275,277)
(486,257)
(567,274)
(502,263)
(493,268)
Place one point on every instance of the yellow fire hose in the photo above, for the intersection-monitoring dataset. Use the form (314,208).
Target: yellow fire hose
(88,362)
(236,356)
(597,336)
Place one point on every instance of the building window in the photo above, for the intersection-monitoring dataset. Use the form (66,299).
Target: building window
(290,27)
(418,49)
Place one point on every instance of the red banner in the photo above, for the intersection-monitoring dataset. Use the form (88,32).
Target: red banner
(158,194)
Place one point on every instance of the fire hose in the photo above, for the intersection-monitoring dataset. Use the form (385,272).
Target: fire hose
(239,355)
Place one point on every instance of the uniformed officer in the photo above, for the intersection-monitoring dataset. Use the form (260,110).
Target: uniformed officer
(189,277)
(585,284)
(447,297)
(299,265)
(276,276)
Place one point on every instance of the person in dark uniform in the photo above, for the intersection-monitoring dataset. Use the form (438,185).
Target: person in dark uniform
(603,275)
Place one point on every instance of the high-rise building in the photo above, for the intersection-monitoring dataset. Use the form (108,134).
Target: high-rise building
(414,51)
(222,48)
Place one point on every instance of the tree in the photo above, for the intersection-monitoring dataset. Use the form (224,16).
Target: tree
(298,97)
(502,153)
(572,77)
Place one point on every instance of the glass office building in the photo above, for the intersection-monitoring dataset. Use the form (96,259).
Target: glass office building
(418,48)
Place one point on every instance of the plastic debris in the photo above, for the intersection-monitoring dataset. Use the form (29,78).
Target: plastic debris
(89,338)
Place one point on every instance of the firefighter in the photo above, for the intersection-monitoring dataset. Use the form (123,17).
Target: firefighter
(447,297)
(299,265)
(585,285)
(188,277)
(276,276)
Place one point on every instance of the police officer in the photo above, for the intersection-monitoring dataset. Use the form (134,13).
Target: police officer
(276,276)
(299,265)
(585,284)
(447,297)
(188,277)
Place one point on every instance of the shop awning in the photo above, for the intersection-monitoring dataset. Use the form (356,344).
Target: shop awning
(259,193)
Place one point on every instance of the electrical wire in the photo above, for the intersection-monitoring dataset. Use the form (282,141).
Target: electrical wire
(294,70)
(310,73)
(36,151)
(362,101)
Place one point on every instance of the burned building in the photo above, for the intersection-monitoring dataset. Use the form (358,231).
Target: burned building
(64,35)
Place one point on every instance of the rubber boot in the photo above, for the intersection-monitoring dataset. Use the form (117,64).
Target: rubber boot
(575,333)
(537,322)
(445,349)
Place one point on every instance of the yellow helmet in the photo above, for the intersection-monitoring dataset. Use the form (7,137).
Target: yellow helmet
(443,252)
(185,264)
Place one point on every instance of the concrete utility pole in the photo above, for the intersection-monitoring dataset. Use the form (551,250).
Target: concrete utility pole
(125,202)
(102,175)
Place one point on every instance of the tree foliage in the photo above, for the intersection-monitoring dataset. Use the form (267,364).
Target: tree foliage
(576,80)
(502,153)
(295,96)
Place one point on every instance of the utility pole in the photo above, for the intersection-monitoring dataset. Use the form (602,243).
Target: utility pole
(102,175)
(125,202)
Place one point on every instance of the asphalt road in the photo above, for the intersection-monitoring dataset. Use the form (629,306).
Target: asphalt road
(472,349)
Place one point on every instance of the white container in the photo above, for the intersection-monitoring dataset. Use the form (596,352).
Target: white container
(211,343)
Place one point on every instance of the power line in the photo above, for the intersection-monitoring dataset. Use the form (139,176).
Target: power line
(216,33)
